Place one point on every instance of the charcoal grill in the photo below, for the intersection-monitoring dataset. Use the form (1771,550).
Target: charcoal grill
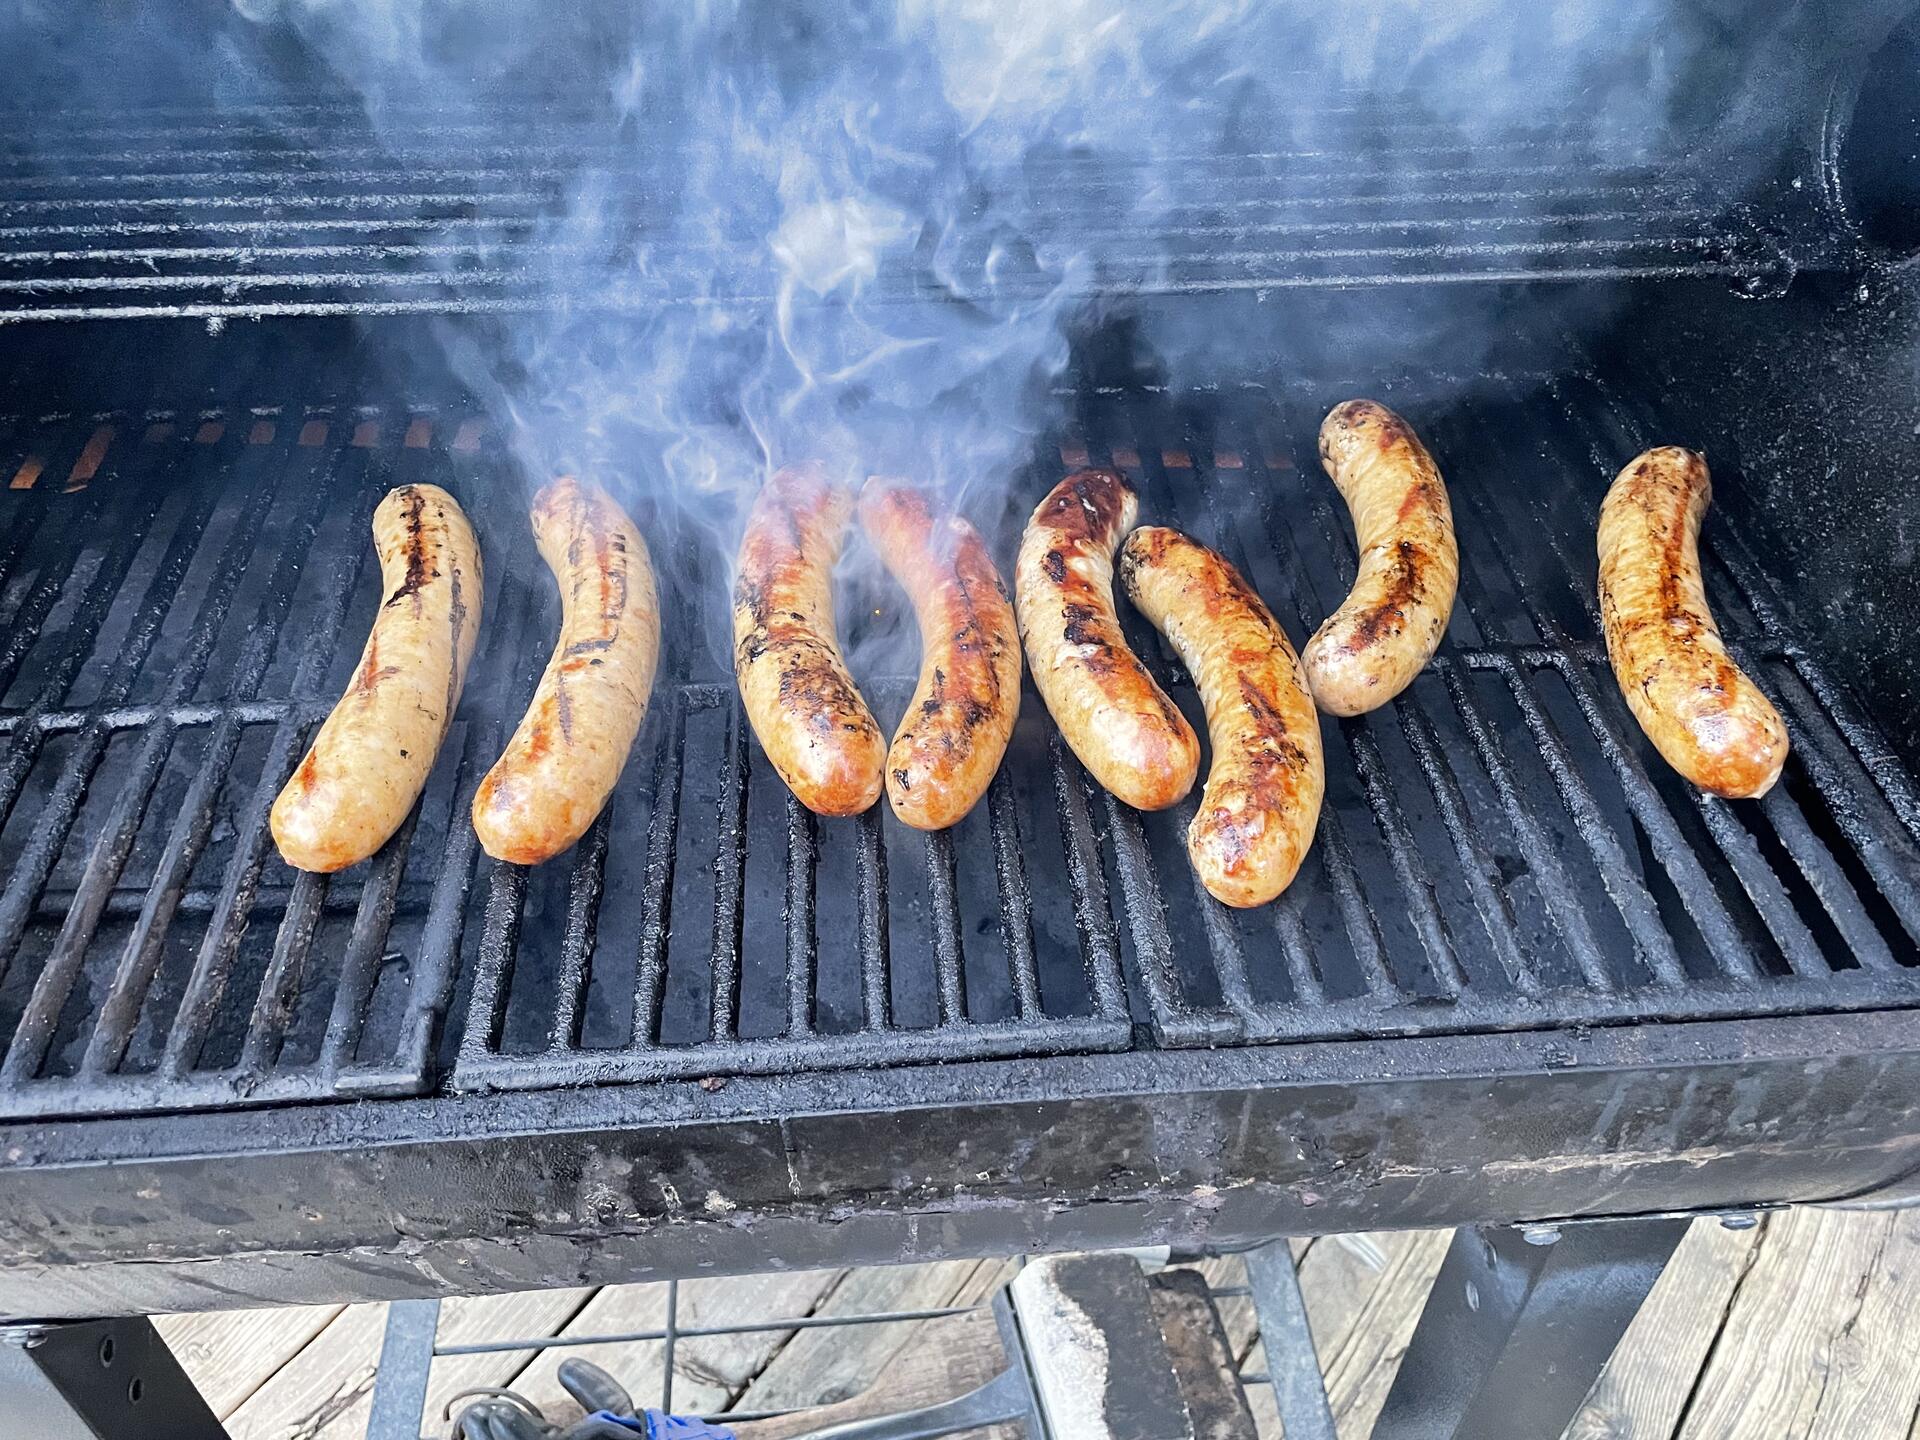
(1525,974)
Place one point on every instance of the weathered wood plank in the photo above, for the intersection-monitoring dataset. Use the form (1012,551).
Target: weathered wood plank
(229,1354)
(331,1377)
(948,1358)
(1818,1343)
(325,1391)
(708,1370)
(1644,1388)
(823,1367)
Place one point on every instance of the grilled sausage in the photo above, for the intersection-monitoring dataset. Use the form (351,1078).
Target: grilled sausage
(1391,622)
(372,757)
(1702,713)
(1261,804)
(961,717)
(1119,722)
(563,761)
(816,730)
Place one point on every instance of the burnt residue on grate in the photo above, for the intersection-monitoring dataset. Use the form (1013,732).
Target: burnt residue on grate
(1500,847)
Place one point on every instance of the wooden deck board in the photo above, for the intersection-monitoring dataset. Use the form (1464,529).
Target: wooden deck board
(232,1353)
(1644,1389)
(1797,1330)
(1818,1342)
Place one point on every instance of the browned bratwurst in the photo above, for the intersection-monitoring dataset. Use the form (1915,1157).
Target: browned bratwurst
(1262,802)
(1699,709)
(372,757)
(1121,724)
(1391,622)
(961,717)
(557,771)
(816,730)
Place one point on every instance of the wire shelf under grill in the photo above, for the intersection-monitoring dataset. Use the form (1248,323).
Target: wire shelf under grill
(305,211)
(1500,848)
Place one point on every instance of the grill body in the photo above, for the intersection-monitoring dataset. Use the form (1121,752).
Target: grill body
(1525,973)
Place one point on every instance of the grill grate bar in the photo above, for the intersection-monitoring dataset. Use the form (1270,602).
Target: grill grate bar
(1556,886)
(1831,699)
(1405,858)
(23,628)
(1146,917)
(870,879)
(279,987)
(141,955)
(1087,881)
(1476,863)
(1834,772)
(254,255)
(24,633)
(1016,896)
(1826,880)
(585,884)
(650,966)
(949,963)
(1624,885)
(730,878)
(493,967)
(35,1030)
(803,952)
(360,964)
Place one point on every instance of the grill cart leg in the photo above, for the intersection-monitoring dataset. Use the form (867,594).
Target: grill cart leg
(400,1384)
(98,1380)
(1293,1368)
(1518,1326)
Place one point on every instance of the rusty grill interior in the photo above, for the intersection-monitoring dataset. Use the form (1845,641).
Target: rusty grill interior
(185,595)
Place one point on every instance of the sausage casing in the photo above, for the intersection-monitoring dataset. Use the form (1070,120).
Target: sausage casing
(1261,804)
(1391,622)
(563,761)
(961,717)
(1705,717)
(1125,730)
(372,757)
(817,731)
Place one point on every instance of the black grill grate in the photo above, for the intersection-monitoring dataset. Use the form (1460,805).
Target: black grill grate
(177,619)
(1500,848)
(304,210)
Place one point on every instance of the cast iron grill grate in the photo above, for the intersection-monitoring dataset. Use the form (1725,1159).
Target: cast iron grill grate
(181,600)
(306,210)
(1501,848)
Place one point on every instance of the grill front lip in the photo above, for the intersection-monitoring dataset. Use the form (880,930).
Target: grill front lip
(1618,856)
(529,1190)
